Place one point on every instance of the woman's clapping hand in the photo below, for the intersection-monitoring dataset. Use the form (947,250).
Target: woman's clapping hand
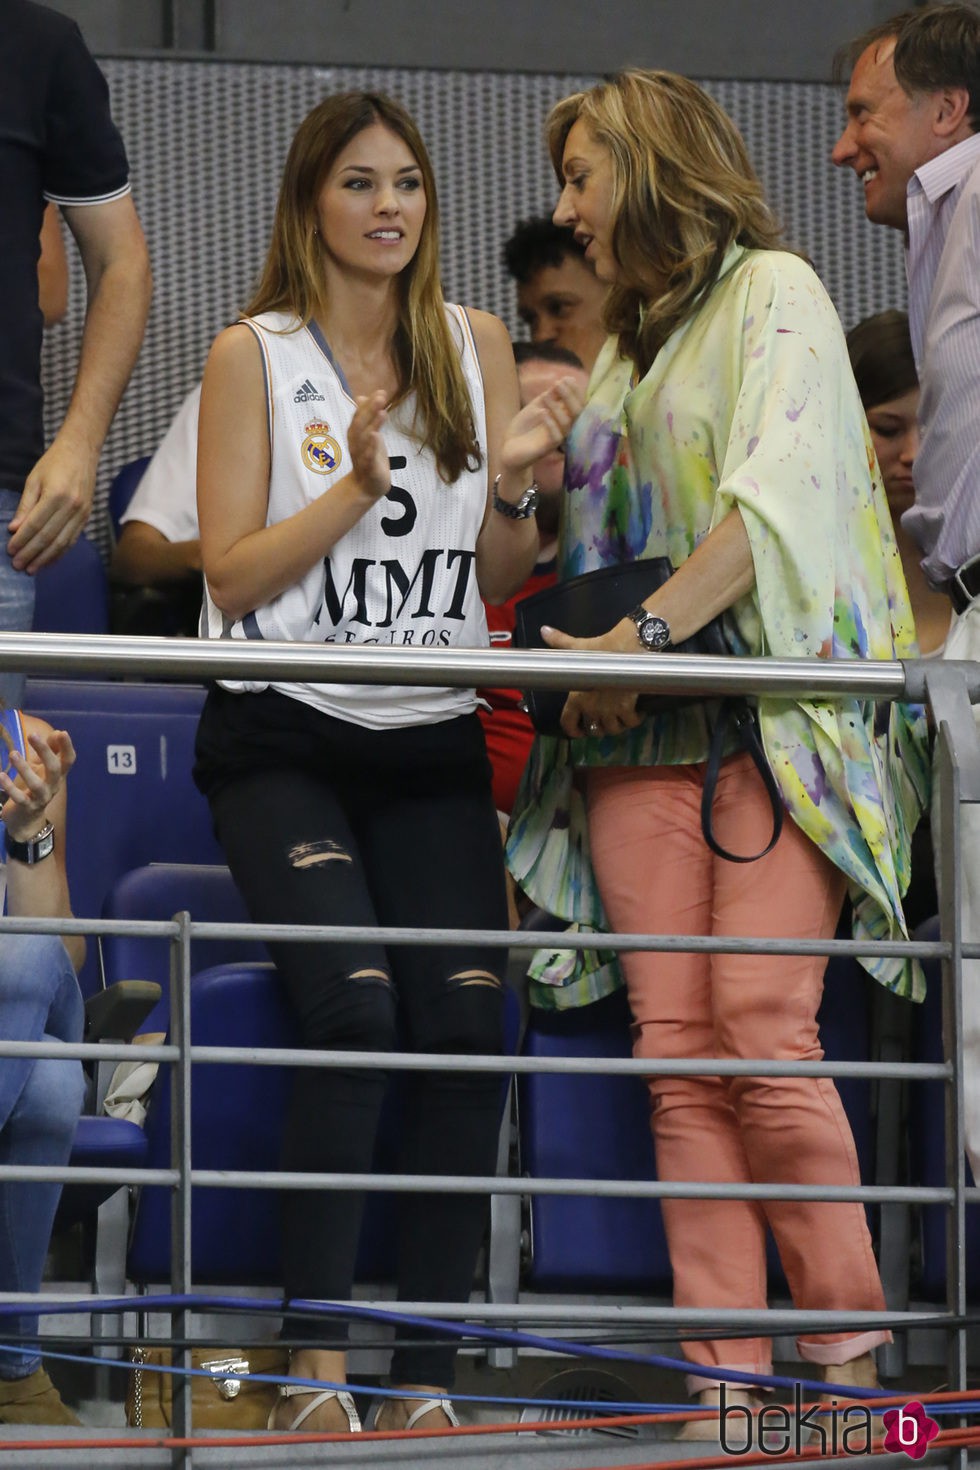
(542,424)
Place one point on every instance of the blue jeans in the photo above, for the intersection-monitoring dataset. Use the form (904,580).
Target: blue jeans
(16,601)
(40,1100)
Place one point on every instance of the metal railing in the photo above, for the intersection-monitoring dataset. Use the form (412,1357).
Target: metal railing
(948,688)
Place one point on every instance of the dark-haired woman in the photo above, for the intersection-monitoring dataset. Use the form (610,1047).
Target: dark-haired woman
(363,476)
(880,349)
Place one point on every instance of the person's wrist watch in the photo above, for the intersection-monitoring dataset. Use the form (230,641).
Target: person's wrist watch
(521,509)
(652,631)
(35,849)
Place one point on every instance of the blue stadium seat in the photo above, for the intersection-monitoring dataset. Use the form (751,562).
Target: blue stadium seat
(158,891)
(238,1114)
(578,1127)
(131,796)
(72,593)
(122,489)
(100,1143)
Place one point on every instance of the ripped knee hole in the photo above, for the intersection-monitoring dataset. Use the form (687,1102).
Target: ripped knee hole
(314,854)
(465,978)
(381,975)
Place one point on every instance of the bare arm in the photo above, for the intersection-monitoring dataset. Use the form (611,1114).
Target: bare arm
(58,493)
(40,890)
(52,269)
(507,549)
(716,574)
(143,557)
(246,562)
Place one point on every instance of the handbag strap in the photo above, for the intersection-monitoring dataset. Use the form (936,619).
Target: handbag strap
(740,714)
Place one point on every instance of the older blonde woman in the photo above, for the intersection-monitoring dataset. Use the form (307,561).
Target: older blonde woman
(724,430)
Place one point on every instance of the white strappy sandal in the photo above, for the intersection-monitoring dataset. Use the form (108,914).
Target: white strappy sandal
(291,1390)
(425,1407)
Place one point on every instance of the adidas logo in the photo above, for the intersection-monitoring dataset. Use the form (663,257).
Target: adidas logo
(307,394)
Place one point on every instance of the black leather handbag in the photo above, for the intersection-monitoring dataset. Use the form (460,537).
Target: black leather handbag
(590,604)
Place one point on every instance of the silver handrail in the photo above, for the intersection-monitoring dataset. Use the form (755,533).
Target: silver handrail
(949,687)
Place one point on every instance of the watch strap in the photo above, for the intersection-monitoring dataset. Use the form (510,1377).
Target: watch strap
(522,509)
(35,849)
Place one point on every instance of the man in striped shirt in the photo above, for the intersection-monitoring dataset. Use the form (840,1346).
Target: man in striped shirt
(913,139)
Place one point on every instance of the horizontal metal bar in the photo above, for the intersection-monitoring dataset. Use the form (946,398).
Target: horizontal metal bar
(463,1062)
(570,1315)
(562,939)
(44,1174)
(194,659)
(606,1188)
(496,938)
(490,1184)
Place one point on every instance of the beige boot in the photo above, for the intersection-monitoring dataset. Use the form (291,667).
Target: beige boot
(707,1429)
(858,1373)
(34,1400)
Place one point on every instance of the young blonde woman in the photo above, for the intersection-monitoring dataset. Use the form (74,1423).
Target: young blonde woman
(363,477)
(723,430)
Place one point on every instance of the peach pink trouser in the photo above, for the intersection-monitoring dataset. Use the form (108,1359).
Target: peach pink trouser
(657,875)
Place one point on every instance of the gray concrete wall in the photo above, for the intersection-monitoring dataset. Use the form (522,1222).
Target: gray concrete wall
(766,39)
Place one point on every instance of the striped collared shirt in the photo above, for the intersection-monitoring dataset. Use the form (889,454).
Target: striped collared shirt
(943,261)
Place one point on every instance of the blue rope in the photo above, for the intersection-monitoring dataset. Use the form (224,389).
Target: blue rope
(502,1337)
(597,1406)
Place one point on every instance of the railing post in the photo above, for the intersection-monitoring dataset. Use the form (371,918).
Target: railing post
(180,1160)
(957,770)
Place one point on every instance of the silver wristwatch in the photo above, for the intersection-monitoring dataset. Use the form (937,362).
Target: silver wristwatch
(652,631)
(35,849)
(522,509)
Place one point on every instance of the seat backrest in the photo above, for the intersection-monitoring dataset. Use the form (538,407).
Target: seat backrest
(582,1127)
(158,891)
(131,795)
(238,1117)
(60,698)
(72,593)
(122,489)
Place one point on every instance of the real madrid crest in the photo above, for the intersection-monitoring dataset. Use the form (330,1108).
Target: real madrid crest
(320,450)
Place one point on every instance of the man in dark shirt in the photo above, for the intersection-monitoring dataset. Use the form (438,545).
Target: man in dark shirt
(58,144)
(559,296)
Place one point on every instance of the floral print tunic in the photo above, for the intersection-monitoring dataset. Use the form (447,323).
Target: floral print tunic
(750,403)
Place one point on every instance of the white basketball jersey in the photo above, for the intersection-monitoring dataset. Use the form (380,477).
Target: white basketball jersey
(405,575)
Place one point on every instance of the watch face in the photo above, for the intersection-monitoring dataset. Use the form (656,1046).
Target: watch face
(654,634)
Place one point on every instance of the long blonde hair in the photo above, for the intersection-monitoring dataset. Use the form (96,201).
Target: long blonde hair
(293,278)
(683,192)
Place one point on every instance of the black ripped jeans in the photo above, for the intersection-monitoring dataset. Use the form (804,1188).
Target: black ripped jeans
(326,822)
